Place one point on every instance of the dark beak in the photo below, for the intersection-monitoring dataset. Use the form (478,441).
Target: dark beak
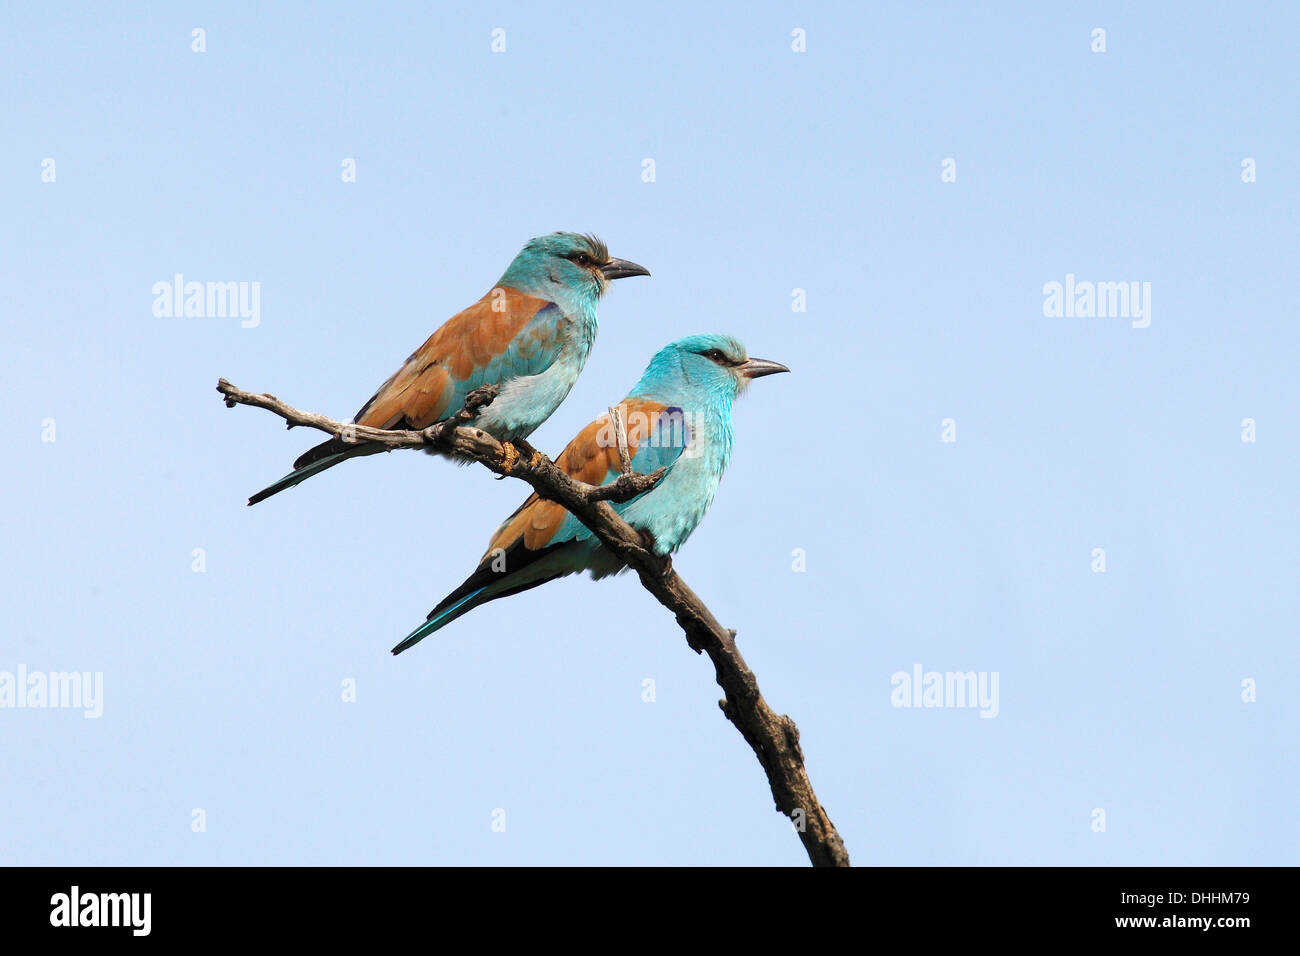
(757,368)
(621,269)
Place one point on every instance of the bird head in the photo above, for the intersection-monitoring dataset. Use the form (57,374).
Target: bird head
(716,364)
(567,268)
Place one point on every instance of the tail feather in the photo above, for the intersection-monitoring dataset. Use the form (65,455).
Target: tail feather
(324,456)
(440,617)
(464,599)
(326,449)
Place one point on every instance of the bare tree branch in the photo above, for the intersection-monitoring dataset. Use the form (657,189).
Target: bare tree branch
(773,737)
(620,438)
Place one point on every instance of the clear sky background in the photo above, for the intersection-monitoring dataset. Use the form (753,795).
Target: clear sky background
(775,171)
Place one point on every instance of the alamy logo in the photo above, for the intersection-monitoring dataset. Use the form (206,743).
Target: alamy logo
(1102,300)
(76,690)
(671,428)
(102,909)
(208,300)
(923,688)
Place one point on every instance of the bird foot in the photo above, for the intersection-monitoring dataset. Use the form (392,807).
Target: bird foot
(511,455)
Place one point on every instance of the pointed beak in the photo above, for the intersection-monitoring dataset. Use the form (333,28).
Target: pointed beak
(621,269)
(757,368)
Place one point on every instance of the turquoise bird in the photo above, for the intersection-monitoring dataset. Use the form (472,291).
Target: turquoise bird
(678,417)
(530,336)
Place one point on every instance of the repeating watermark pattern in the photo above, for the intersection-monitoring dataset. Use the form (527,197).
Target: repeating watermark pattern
(75,908)
(42,690)
(1100,300)
(675,428)
(946,689)
(208,300)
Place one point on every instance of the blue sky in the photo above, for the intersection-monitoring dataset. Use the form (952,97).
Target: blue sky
(775,170)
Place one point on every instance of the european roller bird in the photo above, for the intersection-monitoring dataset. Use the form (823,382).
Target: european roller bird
(678,416)
(530,335)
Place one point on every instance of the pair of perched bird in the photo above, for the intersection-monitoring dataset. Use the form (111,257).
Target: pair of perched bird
(530,336)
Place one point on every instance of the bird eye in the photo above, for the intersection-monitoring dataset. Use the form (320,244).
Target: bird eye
(713,355)
(582,259)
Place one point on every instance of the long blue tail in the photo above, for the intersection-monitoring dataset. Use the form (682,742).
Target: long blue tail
(439,619)
(317,459)
(299,475)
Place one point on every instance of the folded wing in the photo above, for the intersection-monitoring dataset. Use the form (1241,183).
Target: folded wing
(504,335)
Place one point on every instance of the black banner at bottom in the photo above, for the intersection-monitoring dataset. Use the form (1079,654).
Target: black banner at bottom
(336,904)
